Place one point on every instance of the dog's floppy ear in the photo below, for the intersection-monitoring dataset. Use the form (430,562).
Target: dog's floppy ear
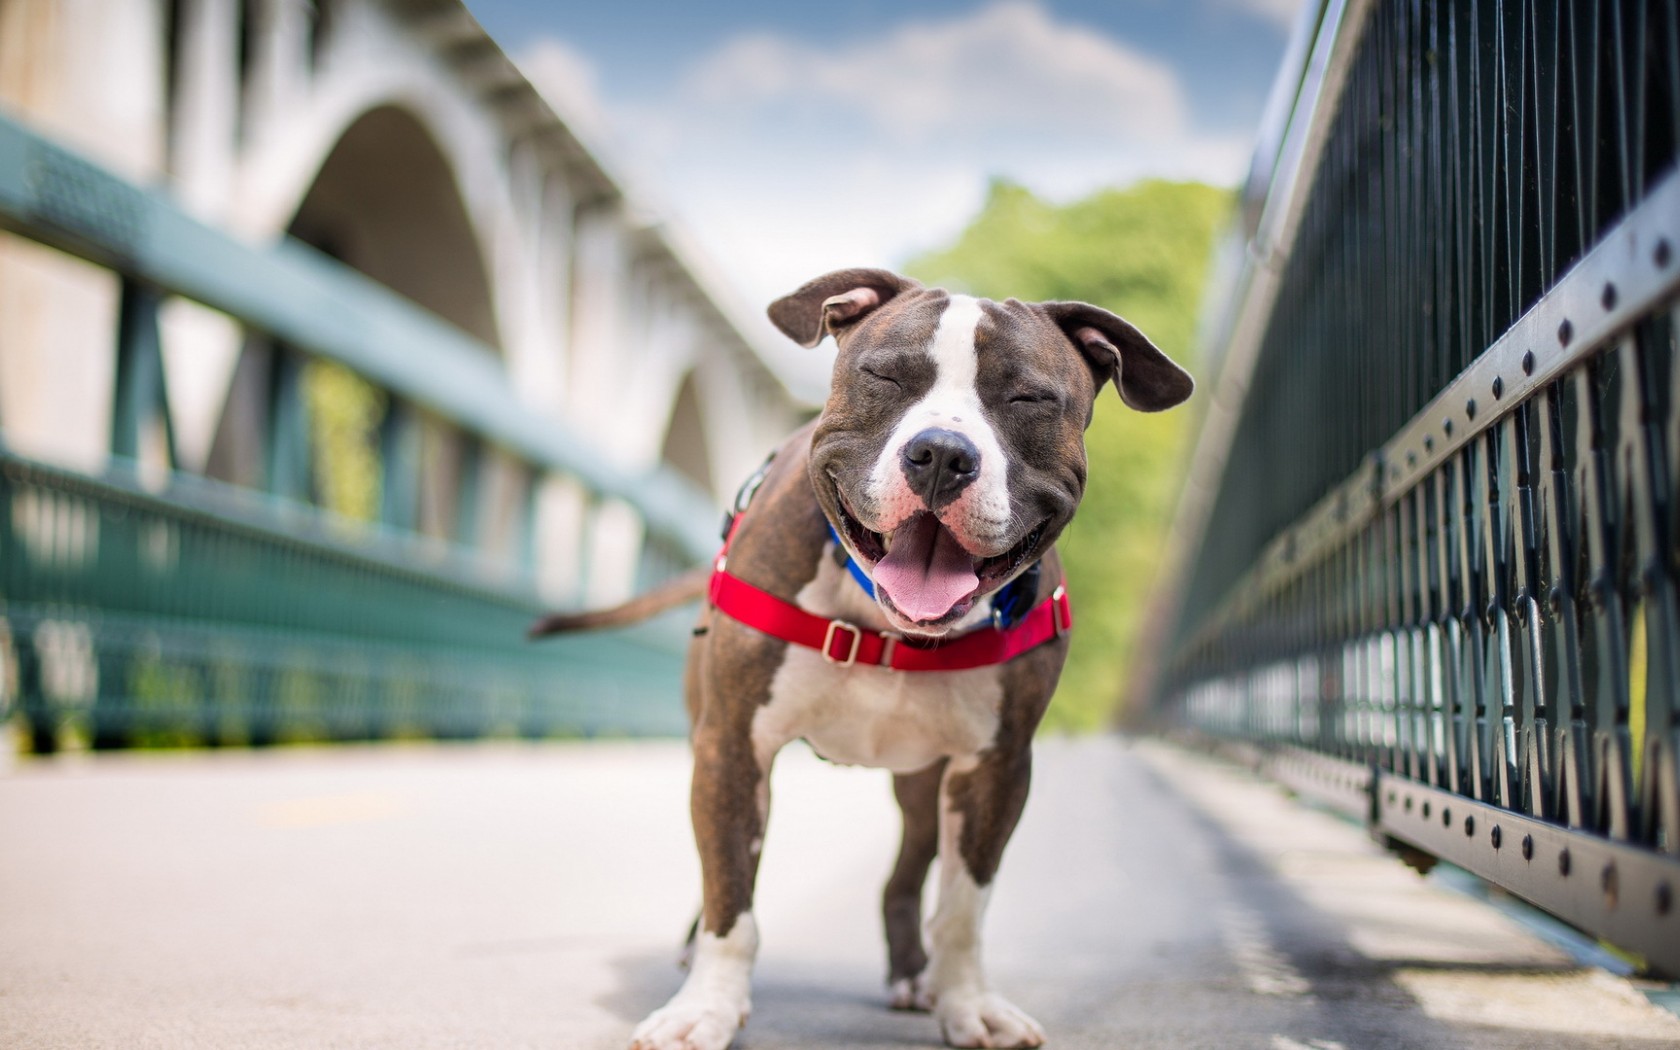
(833,301)
(1147,379)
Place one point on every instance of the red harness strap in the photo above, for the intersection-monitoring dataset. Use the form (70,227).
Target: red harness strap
(846,643)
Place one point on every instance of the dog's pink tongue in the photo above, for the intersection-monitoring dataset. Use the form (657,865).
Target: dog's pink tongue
(926,572)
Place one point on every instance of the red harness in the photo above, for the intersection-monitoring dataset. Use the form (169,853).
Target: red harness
(846,643)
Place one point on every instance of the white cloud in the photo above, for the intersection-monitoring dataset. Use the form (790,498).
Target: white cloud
(1007,67)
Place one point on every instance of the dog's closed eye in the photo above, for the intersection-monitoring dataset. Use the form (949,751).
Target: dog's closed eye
(1034,396)
(883,378)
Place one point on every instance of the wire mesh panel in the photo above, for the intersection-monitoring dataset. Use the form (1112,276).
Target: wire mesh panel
(1440,563)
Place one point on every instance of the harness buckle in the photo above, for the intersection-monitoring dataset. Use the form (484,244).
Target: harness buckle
(828,642)
(1061,613)
(889,642)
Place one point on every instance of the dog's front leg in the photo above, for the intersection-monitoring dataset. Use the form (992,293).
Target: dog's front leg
(730,803)
(980,802)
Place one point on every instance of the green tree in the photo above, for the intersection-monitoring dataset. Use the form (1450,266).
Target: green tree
(1143,253)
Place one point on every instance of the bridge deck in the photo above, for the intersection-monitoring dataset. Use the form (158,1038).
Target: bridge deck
(504,896)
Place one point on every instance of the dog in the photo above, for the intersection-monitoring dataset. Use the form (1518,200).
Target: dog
(889,591)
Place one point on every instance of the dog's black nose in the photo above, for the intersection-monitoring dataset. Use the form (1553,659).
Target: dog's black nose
(939,464)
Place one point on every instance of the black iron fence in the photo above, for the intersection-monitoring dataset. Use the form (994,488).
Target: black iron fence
(1430,559)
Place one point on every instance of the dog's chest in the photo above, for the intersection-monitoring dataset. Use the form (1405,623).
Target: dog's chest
(869,716)
(865,716)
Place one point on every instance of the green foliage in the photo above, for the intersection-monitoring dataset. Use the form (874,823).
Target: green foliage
(345,412)
(1143,253)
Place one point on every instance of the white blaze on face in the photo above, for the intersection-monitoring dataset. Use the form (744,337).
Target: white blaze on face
(980,516)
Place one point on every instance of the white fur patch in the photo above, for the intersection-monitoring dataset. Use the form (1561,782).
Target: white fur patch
(980,516)
(968,1011)
(714,1001)
(869,716)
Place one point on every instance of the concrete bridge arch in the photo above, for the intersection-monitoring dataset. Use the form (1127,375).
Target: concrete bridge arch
(269,116)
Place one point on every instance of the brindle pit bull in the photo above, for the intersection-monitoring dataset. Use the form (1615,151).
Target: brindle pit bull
(947,460)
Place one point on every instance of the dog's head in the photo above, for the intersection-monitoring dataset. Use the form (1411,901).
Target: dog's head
(951,452)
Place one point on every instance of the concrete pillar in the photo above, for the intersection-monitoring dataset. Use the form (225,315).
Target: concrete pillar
(614,553)
(88,74)
(200,346)
(599,293)
(207,101)
(515,247)
(278,77)
(555,246)
(562,516)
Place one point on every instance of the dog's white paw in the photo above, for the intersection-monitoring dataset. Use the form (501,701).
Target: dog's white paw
(985,1019)
(690,1024)
(910,993)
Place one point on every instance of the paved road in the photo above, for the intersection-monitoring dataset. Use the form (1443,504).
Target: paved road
(506,896)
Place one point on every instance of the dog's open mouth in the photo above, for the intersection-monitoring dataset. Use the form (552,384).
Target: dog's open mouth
(922,571)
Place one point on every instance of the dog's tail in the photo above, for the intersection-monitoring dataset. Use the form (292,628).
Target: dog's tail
(676,591)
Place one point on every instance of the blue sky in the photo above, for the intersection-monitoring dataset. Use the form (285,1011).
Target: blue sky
(794,138)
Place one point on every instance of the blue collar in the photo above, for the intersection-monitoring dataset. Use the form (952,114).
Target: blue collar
(1009,604)
(852,566)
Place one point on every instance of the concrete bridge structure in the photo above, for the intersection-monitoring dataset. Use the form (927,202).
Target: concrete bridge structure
(395,137)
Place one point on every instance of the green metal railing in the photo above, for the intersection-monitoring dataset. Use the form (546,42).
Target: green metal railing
(1434,579)
(192,611)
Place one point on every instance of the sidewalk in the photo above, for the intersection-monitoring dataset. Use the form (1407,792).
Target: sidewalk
(511,896)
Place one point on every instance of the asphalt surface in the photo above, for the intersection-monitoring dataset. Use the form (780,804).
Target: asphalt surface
(512,896)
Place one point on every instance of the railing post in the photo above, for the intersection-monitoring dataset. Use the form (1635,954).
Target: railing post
(263,730)
(110,719)
(139,402)
(39,715)
(399,455)
(527,525)
(471,483)
(288,427)
(139,409)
